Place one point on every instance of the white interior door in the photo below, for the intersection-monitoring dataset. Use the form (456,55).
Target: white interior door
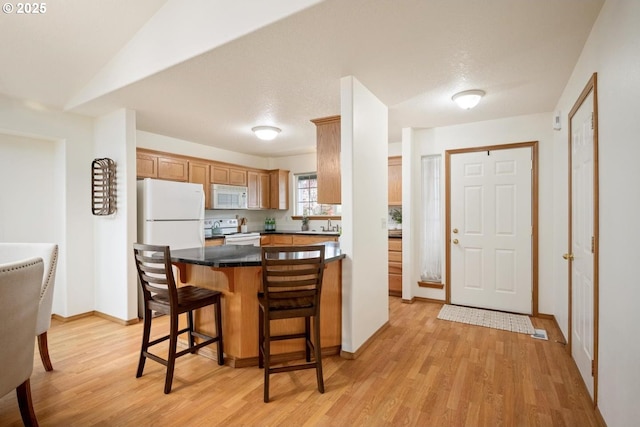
(582,240)
(491,229)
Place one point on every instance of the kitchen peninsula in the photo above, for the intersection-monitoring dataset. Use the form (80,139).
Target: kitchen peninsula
(236,272)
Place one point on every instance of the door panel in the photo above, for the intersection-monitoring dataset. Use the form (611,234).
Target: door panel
(491,222)
(582,236)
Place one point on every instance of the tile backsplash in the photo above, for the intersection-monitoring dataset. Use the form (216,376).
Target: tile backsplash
(255,219)
(391,223)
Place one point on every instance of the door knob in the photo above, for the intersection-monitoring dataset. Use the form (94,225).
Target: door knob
(567,256)
(455,231)
(455,241)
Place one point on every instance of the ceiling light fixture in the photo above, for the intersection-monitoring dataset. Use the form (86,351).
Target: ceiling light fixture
(468,99)
(266,133)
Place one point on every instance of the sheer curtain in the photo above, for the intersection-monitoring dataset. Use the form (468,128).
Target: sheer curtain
(431,269)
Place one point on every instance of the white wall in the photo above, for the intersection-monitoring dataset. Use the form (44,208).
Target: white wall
(36,200)
(422,142)
(364,150)
(32,197)
(611,51)
(70,212)
(115,275)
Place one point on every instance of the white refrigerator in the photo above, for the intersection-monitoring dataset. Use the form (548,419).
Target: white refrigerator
(170,213)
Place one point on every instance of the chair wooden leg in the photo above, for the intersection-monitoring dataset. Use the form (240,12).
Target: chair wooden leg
(190,325)
(318,352)
(171,358)
(25,403)
(146,332)
(260,338)
(307,339)
(218,309)
(43,347)
(267,357)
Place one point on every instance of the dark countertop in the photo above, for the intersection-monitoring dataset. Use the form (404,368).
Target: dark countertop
(217,236)
(309,233)
(395,234)
(267,233)
(238,255)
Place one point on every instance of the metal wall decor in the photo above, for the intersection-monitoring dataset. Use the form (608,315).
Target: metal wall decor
(103,186)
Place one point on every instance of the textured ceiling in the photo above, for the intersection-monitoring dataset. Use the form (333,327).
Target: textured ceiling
(413,55)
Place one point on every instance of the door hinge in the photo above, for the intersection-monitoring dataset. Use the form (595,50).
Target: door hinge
(593,244)
(593,368)
(591,121)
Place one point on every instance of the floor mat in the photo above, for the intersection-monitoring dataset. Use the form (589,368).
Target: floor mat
(488,318)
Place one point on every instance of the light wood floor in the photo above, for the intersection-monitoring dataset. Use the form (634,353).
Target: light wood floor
(420,371)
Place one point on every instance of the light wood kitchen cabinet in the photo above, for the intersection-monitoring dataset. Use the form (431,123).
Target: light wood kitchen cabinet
(173,168)
(265,240)
(279,189)
(161,166)
(395,267)
(328,159)
(146,165)
(298,239)
(222,174)
(199,174)
(265,190)
(395,181)
(282,239)
(294,239)
(258,189)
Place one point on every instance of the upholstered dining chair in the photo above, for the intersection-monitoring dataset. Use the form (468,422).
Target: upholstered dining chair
(20,283)
(291,288)
(161,295)
(49,254)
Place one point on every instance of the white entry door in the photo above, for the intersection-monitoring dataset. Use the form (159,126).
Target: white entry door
(491,229)
(582,240)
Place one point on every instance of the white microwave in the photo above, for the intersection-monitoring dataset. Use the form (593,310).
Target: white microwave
(228,196)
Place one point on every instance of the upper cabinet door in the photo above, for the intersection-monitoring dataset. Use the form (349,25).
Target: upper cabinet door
(173,169)
(199,174)
(219,174)
(222,174)
(395,181)
(328,158)
(238,177)
(146,165)
(279,189)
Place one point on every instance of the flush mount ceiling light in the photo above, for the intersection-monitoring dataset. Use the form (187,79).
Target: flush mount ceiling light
(266,133)
(468,99)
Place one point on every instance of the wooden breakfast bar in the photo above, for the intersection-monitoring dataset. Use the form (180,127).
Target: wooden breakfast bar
(235,271)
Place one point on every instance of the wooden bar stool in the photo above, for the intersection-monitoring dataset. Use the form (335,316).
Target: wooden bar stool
(161,295)
(291,287)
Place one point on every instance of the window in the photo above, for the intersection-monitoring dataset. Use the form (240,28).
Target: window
(431,244)
(307,198)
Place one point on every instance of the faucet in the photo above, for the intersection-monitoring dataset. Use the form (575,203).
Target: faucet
(330,227)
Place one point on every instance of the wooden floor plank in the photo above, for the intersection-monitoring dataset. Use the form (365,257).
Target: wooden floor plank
(419,371)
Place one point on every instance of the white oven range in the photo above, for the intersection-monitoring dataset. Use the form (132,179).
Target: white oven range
(228,227)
